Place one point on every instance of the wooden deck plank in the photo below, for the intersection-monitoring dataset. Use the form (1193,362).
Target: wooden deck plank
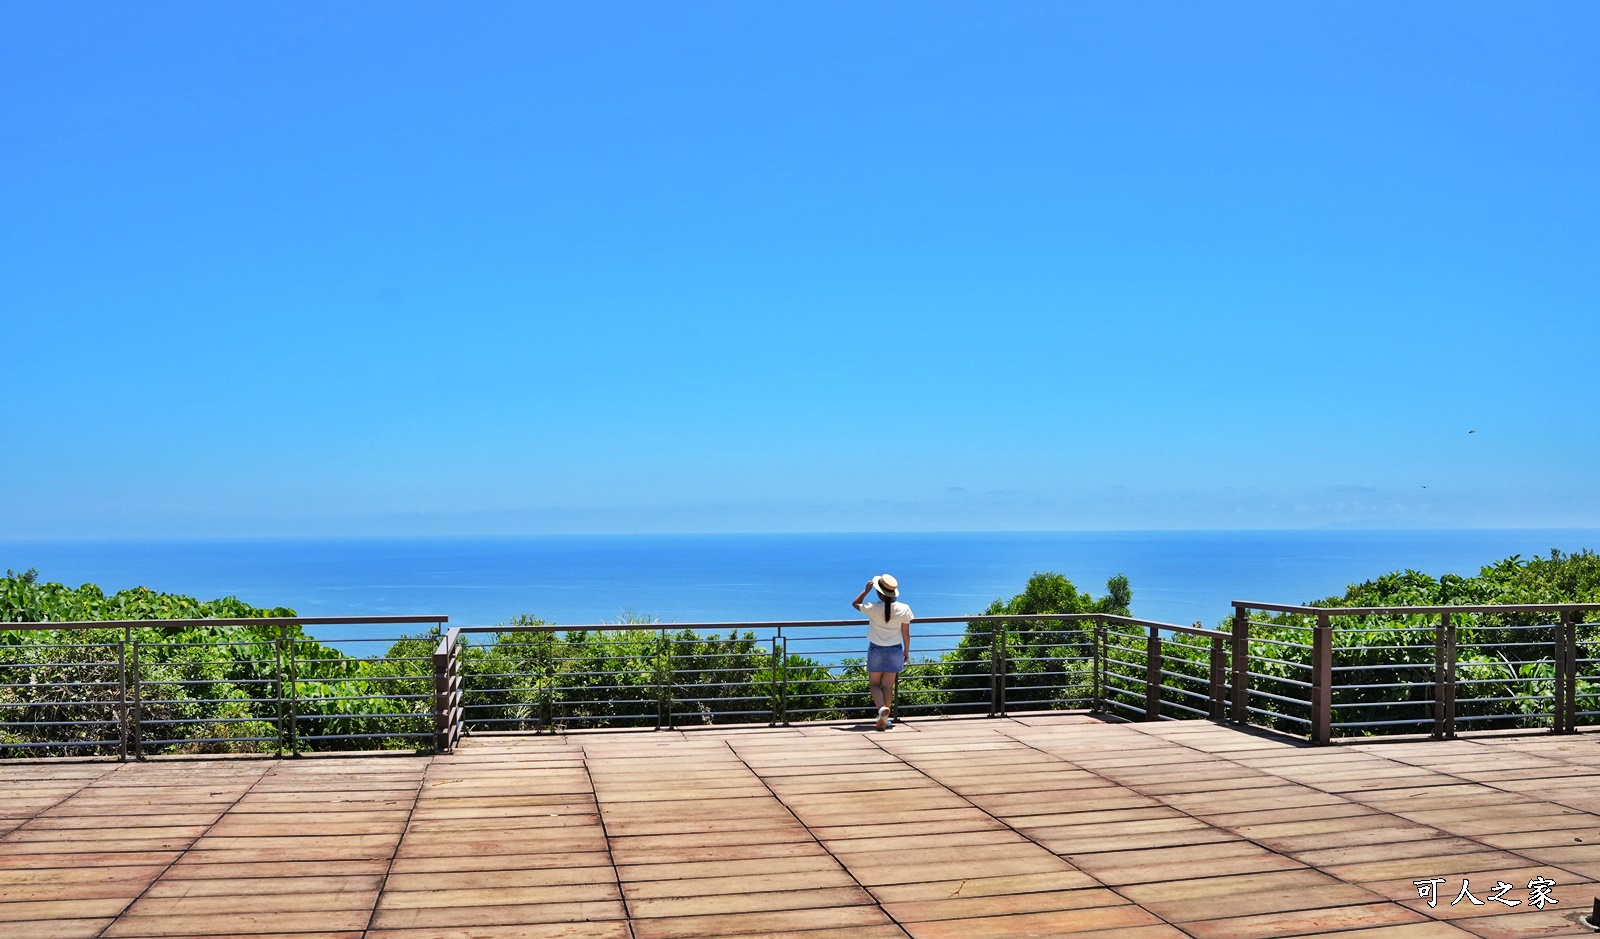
(1040,825)
(58,928)
(1303,922)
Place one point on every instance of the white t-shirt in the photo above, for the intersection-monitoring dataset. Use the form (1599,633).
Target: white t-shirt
(881,633)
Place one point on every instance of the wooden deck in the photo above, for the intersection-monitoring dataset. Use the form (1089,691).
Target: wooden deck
(1048,826)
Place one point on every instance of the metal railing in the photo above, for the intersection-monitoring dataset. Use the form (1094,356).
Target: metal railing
(624,675)
(138,688)
(135,688)
(1337,671)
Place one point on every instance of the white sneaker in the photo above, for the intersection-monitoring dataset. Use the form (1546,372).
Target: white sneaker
(883,718)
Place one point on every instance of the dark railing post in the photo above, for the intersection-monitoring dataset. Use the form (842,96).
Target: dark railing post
(136,722)
(783,682)
(996,671)
(1241,665)
(277,686)
(1152,675)
(1005,668)
(458,680)
(292,699)
(1098,648)
(1441,676)
(441,695)
(1574,619)
(1218,693)
(1565,705)
(1322,681)
(122,697)
(664,680)
(1448,626)
(774,683)
(544,690)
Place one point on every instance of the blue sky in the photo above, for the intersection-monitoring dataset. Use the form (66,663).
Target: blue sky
(505,268)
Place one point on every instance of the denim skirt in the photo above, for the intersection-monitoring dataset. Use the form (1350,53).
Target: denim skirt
(885,658)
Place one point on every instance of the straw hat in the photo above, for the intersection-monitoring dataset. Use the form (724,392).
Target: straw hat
(886,585)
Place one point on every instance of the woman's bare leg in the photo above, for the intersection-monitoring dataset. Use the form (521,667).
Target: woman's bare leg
(888,689)
(875,682)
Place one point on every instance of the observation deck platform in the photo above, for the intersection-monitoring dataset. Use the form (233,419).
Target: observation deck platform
(1050,825)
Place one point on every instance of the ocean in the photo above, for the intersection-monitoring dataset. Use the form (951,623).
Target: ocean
(1177,577)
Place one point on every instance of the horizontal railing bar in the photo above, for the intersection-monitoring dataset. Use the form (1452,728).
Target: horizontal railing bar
(1497,681)
(181,721)
(669,628)
(58,704)
(165,644)
(1303,666)
(1409,720)
(367,659)
(1381,704)
(1342,630)
(1255,692)
(60,723)
(366,697)
(150,701)
(1281,717)
(1417,610)
(1280,679)
(1278,642)
(412,715)
(153,743)
(1182,707)
(62,684)
(1268,624)
(408,736)
(59,743)
(1055,704)
(224,621)
(58,665)
(163,682)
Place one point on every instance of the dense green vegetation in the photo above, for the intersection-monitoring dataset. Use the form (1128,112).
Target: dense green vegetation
(218,688)
(1504,660)
(196,682)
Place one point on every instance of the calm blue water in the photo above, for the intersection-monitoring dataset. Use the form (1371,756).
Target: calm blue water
(1177,577)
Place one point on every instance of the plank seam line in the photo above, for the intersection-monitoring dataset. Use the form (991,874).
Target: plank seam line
(388,867)
(605,834)
(44,811)
(1493,787)
(1490,785)
(728,742)
(1356,801)
(1000,732)
(1011,828)
(1191,815)
(184,853)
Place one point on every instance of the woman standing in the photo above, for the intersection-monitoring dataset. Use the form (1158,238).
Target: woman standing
(888,641)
